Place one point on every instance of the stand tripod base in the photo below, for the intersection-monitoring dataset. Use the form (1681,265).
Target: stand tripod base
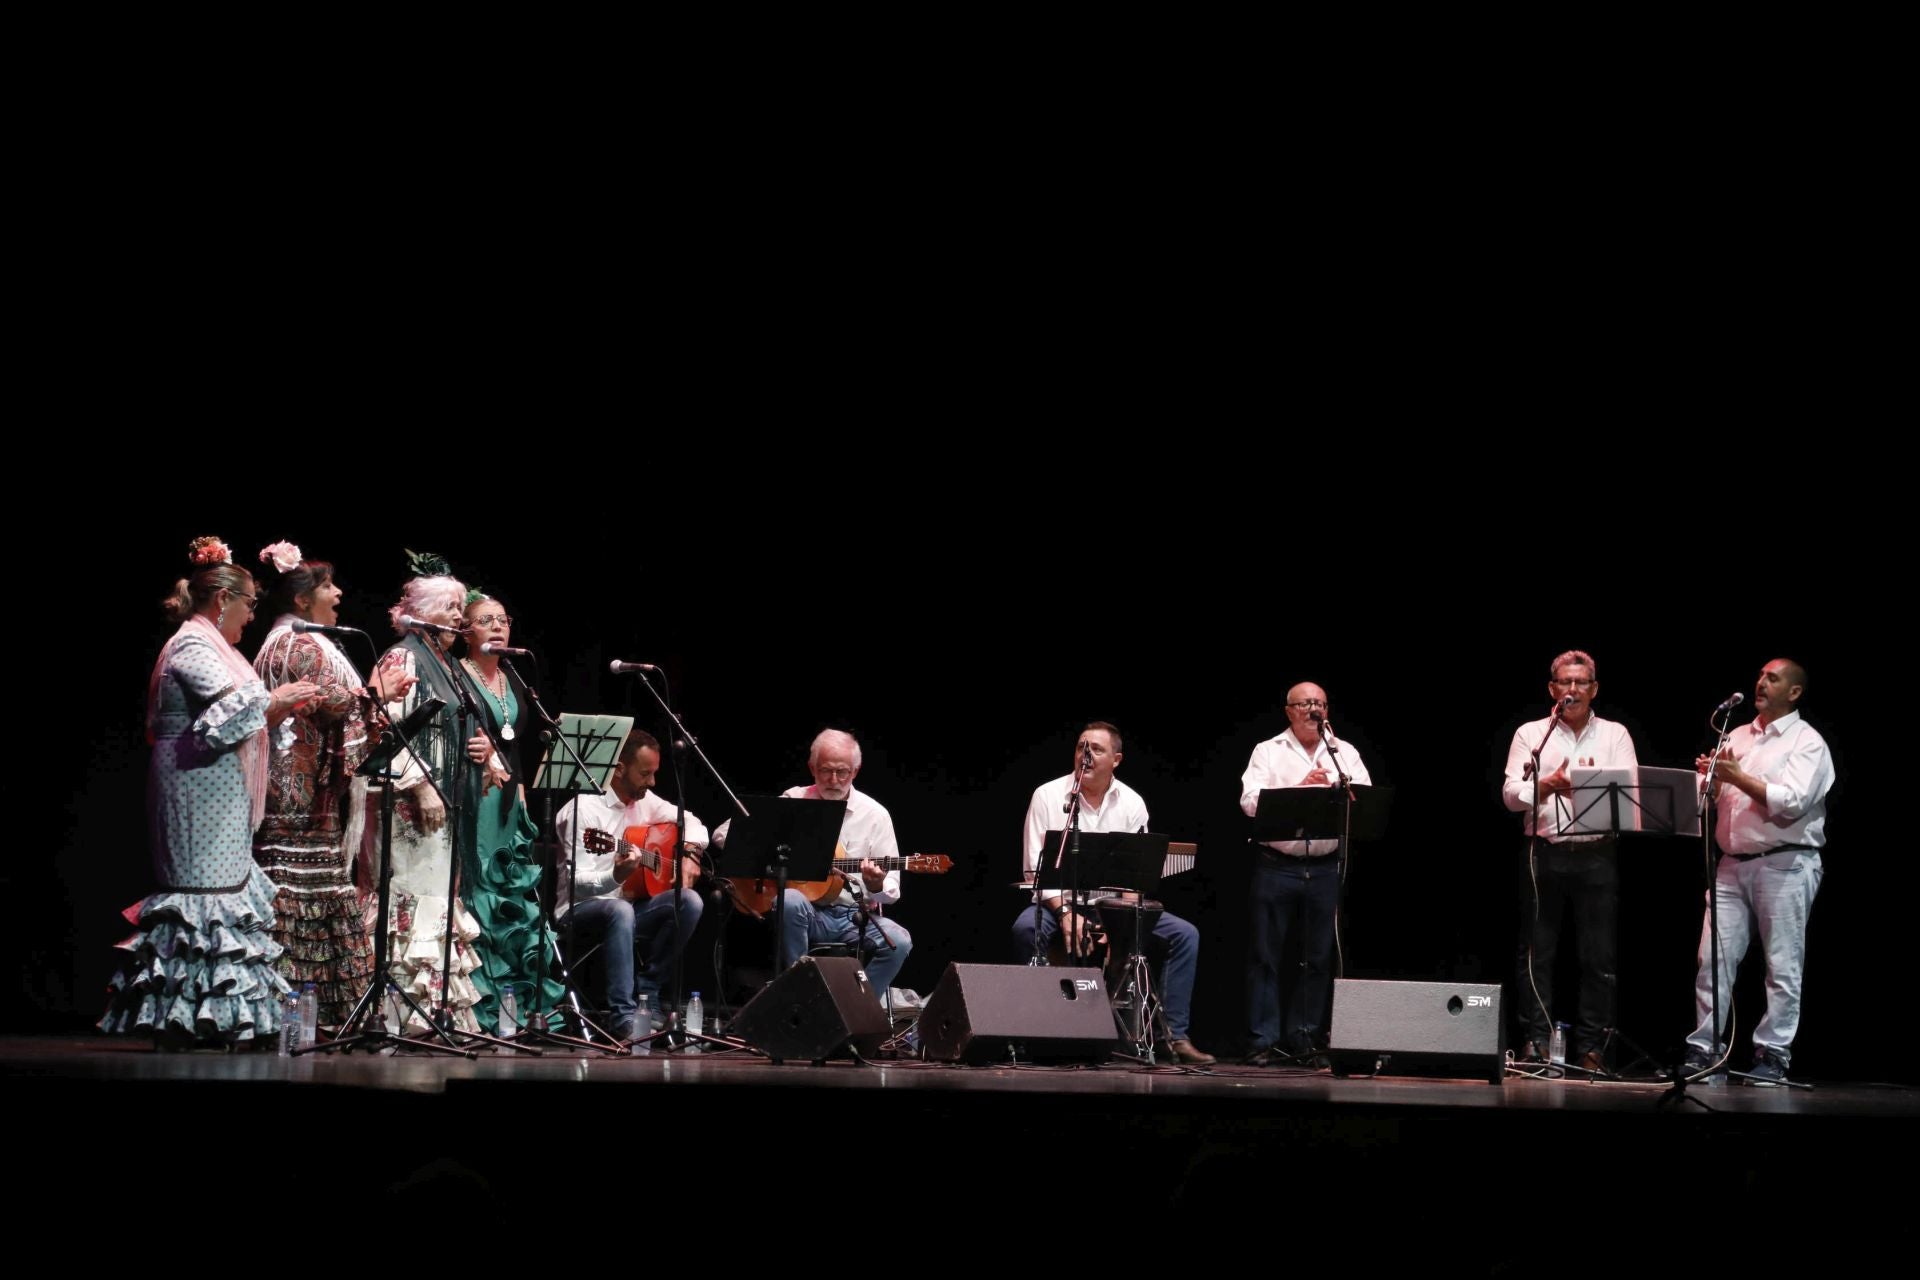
(1136,1009)
(366,1027)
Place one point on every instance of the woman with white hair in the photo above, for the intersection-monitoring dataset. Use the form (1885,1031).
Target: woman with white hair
(423,850)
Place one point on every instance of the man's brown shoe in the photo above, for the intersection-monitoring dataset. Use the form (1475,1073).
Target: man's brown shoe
(1186,1051)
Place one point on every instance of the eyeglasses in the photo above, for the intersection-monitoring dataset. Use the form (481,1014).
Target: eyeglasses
(834,770)
(1309,704)
(253,602)
(1573,684)
(489,619)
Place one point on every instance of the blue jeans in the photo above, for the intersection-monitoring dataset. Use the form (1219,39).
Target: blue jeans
(809,925)
(1772,896)
(1287,890)
(643,932)
(1175,944)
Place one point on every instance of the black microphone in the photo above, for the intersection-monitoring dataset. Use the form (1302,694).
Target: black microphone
(302,625)
(1730,703)
(1317,717)
(410,623)
(1560,707)
(489,649)
(620,668)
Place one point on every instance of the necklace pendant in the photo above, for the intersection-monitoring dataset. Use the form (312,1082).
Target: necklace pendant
(506,733)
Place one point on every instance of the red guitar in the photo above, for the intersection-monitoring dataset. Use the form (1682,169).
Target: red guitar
(653,845)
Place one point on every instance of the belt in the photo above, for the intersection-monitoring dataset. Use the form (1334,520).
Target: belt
(1767,853)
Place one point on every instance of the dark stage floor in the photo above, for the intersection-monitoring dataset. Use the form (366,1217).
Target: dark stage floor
(960,1162)
(104,1060)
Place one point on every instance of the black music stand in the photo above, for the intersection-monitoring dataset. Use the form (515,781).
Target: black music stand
(580,757)
(366,1025)
(1624,800)
(782,838)
(779,838)
(1131,862)
(1319,813)
(1356,811)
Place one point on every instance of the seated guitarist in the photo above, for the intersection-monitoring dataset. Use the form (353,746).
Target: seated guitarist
(634,931)
(866,833)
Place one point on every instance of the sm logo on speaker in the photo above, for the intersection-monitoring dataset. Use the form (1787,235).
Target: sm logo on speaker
(1086,984)
(1479,1002)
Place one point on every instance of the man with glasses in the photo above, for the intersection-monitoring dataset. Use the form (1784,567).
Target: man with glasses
(1294,882)
(865,833)
(1577,870)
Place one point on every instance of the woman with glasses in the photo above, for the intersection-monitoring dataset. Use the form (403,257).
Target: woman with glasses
(315,806)
(502,874)
(419,912)
(199,968)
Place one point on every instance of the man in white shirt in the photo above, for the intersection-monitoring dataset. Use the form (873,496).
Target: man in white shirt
(866,833)
(1106,804)
(1770,801)
(1568,869)
(634,930)
(1294,881)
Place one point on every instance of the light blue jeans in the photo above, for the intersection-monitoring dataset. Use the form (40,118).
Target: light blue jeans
(809,926)
(1773,895)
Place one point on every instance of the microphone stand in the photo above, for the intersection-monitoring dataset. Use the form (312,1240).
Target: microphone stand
(463,835)
(1708,808)
(1070,840)
(682,740)
(1532,770)
(550,732)
(862,917)
(1346,836)
(366,1024)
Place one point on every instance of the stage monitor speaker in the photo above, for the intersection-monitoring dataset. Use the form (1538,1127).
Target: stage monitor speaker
(999,1012)
(1416,1028)
(814,1010)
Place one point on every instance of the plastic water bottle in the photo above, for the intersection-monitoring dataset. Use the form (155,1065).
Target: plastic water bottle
(309,1016)
(1557,1047)
(289,1024)
(696,1021)
(643,1027)
(509,1013)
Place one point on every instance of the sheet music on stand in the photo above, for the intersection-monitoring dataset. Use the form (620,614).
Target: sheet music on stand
(597,740)
(1640,798)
